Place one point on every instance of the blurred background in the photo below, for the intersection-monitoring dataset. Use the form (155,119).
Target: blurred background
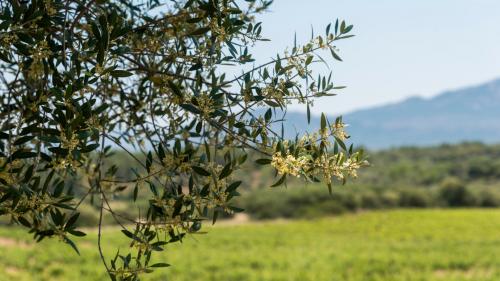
(422,97)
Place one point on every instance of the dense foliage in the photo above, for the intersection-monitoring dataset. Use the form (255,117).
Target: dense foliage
(462,175)
(445,176)
(83,78)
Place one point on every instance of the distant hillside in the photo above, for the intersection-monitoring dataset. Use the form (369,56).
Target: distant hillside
(470,114)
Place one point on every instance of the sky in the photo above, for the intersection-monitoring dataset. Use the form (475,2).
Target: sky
(401,49)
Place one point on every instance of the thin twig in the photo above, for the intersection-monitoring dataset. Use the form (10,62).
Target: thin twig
(99,239)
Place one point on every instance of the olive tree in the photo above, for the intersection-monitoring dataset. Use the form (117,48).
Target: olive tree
(175,86)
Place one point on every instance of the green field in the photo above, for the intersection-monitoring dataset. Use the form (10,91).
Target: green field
(389,245)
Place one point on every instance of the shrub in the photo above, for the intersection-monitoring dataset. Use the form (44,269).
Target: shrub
(454,193)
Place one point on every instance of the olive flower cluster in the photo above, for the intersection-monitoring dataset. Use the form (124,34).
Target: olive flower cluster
(317,155)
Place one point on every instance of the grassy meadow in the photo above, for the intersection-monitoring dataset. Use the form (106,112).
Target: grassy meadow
(430,244)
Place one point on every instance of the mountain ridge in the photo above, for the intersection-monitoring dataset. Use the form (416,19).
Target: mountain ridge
(454,116)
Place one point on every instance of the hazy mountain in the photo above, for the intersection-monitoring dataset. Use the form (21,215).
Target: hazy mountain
(469,114)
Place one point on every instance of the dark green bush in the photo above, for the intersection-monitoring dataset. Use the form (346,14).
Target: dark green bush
(415,197)
(489,198)
(455,194)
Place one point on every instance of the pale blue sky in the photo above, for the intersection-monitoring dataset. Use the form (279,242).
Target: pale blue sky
(402,48)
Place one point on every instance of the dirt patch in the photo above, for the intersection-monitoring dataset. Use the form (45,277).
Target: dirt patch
(237,219)
(244,219)
(467,274)
(12,271)
(85,244)
(13,243)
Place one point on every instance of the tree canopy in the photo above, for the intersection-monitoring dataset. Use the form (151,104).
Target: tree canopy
(173,84)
